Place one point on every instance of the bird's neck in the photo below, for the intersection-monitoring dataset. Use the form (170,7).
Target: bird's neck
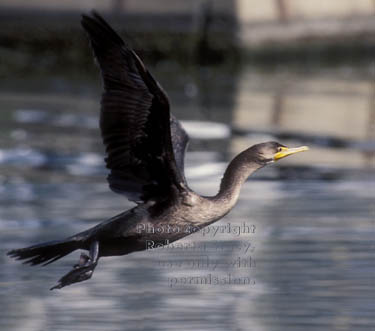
(237,172)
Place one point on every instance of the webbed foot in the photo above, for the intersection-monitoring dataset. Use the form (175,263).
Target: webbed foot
(81,271)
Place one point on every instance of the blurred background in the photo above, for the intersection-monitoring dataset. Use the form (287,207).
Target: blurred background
(238,72)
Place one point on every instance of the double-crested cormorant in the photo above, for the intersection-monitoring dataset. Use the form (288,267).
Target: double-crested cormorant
(145,147)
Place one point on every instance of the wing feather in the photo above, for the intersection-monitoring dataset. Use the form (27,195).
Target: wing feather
(135,120)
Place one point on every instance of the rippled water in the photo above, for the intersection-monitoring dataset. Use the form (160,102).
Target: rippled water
(304,258)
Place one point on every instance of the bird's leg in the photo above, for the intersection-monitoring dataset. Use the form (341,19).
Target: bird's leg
(83,270)
(85,260)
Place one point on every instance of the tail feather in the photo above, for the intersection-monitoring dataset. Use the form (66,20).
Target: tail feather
(44,253)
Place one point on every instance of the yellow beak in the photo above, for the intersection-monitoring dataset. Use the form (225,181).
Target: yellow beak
(285,151)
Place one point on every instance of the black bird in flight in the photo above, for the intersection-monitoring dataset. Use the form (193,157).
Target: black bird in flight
(145,146)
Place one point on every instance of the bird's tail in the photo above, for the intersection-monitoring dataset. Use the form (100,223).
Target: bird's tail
(45,253)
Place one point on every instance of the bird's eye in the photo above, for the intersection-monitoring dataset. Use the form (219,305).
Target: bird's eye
(279,149)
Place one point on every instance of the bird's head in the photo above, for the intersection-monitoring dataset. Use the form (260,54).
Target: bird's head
(272,151)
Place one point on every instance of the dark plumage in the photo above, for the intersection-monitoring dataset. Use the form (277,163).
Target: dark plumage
(145,147)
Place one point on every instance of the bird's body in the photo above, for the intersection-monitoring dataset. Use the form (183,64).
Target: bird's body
(145,147)
(139,228)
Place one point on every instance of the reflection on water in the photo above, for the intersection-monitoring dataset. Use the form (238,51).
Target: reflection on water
(309,261)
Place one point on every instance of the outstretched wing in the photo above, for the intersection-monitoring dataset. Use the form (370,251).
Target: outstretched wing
(134,121)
